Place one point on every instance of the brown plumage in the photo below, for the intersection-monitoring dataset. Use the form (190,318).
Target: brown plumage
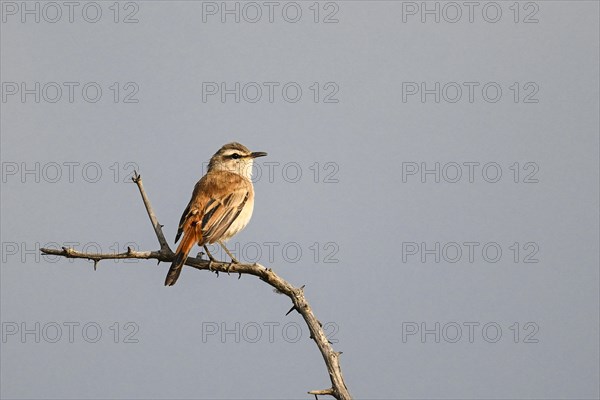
(221,205)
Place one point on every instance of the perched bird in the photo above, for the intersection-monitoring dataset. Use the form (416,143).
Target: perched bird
(221,205)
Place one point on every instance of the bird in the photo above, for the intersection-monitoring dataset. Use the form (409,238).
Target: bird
(221,205)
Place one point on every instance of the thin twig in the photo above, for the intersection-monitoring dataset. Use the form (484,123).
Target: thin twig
(164,246)
(300,304)
(322,392)
(72,253)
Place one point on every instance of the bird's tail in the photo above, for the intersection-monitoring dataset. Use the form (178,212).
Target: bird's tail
(180,256)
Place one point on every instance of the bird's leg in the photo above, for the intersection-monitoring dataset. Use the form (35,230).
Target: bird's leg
(211,259)
(233,259)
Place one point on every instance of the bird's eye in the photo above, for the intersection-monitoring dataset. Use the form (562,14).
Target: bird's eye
(235,156)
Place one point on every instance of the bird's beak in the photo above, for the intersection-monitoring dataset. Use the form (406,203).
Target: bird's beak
(258,154)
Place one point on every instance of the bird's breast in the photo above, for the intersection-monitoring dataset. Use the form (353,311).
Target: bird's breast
(241,221)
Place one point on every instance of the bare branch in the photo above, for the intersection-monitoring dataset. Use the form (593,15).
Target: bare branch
(72,253)
(322,392)
(164,246)
(300,304)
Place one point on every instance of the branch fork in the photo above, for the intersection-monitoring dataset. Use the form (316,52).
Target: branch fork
(296,295)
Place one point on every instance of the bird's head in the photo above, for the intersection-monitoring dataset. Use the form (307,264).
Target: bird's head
(234,157)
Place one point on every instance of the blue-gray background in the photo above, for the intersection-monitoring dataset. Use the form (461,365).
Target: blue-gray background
(358,210)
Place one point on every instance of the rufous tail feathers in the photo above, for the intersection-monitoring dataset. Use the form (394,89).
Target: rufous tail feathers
(188,241)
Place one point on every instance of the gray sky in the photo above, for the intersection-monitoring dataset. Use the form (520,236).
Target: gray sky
(434,185)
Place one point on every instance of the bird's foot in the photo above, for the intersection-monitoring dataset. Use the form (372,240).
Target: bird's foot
(233,261)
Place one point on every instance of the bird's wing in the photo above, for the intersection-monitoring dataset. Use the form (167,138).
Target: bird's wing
(182,221)
(216,202)
(221,213)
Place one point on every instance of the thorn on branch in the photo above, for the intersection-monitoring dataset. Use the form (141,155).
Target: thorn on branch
(291,309)
(95,263)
